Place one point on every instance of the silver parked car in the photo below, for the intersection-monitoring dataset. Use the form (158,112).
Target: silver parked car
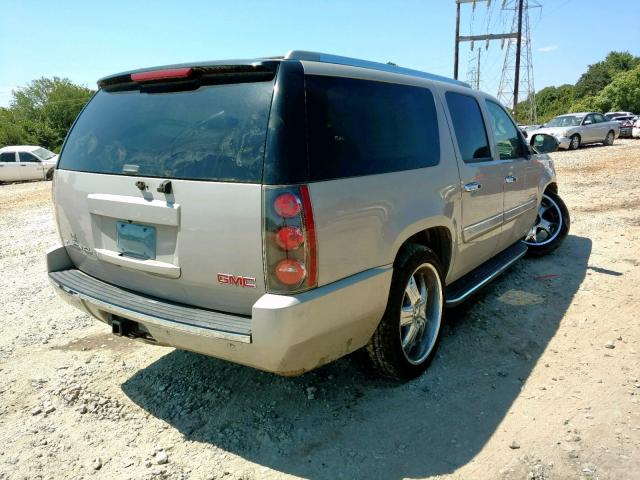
(575,129)
(26,162)
(284,212)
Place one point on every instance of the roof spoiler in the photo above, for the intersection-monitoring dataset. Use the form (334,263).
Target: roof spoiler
(181,77)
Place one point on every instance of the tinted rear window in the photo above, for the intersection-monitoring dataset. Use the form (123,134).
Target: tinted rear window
(216,132)
(361,127)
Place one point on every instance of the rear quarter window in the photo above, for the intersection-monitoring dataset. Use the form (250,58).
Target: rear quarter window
(216,132)
(361,127)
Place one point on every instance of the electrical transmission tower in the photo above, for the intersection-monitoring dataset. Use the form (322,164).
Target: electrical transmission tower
(512,84)
(516,80)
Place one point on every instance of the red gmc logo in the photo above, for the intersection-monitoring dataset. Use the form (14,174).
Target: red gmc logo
(238,281)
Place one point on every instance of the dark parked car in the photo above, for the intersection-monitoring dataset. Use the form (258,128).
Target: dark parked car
(626,125)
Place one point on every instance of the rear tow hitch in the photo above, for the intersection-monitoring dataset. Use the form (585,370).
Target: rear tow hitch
(120,327)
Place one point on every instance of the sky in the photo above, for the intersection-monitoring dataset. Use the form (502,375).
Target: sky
(86,40)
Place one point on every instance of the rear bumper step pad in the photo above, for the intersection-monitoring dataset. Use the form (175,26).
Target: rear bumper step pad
(105,295)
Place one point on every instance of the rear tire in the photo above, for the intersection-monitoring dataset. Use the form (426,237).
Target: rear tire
(575,142)
(408,335)
(49,175)
(551,227)
(608,141)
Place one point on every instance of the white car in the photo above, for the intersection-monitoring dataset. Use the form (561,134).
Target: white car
(575,129)
(635,132)
(26,162)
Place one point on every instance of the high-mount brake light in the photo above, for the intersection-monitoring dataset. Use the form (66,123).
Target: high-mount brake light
(166,74)
(290,240)
(287,205)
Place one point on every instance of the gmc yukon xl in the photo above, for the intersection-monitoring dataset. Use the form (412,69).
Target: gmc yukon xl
(283,212)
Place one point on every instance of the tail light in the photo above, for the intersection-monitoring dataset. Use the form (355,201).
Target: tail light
(290,240)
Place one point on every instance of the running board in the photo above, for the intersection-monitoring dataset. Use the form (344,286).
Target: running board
(473,281)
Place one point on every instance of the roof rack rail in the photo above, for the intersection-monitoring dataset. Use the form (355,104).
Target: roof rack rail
(356,62)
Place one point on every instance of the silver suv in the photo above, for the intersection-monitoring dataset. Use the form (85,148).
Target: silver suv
(283,212)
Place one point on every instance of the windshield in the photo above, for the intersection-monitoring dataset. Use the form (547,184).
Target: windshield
(43,153)
(216,132)
(566,121)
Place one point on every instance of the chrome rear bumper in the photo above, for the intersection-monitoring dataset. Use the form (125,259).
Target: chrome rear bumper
(288,335)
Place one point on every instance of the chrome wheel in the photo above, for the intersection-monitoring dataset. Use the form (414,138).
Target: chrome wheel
(548,223)
(421,313)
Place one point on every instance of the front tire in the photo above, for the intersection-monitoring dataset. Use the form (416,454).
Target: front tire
(551,226)
(407,337)
(608,141)
(575,142)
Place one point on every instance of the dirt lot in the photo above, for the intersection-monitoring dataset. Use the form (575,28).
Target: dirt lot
(537,379)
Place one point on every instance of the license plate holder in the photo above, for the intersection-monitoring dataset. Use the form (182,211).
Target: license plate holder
(136,240)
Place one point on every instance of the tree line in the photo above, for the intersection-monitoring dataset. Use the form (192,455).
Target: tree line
(42,112)
(610,85)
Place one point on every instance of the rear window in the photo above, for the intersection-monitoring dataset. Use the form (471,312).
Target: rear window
(361,127)
(216,132)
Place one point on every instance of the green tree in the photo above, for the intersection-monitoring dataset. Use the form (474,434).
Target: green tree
(600,74)
(12,133)
(623,93)
(550,101)
(42,112)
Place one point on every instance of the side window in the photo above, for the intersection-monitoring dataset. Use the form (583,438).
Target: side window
(469,127)
(27,157)
(7,157)
(361,127)
(588,120)
(599,118)
(505,132)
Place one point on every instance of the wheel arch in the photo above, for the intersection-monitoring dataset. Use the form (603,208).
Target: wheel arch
(438,238)
(551,187)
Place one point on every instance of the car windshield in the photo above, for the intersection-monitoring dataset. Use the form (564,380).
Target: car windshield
(566,121)
(43,154)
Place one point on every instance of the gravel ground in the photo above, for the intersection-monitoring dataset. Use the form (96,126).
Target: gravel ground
(539,378)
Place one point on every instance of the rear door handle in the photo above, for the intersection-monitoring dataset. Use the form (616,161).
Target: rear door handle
(472,186)
(510,179)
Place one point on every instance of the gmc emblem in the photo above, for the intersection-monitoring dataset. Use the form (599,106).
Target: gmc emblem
(238,281)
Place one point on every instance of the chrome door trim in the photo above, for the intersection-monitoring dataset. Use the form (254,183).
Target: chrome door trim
(519,210)
(484,226)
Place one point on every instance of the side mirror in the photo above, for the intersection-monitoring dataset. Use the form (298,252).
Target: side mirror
(543,143)
(587,122)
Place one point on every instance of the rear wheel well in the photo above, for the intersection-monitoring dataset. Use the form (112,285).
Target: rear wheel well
(552,187)
(437,239)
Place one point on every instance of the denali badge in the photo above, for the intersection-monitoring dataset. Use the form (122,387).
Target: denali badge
(238,281)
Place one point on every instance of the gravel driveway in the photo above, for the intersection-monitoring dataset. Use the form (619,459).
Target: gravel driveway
(539,377)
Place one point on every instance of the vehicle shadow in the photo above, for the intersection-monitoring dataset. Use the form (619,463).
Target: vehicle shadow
(342,422)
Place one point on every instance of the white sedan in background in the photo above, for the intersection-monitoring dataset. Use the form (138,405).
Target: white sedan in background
(26,162)
(635,132)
